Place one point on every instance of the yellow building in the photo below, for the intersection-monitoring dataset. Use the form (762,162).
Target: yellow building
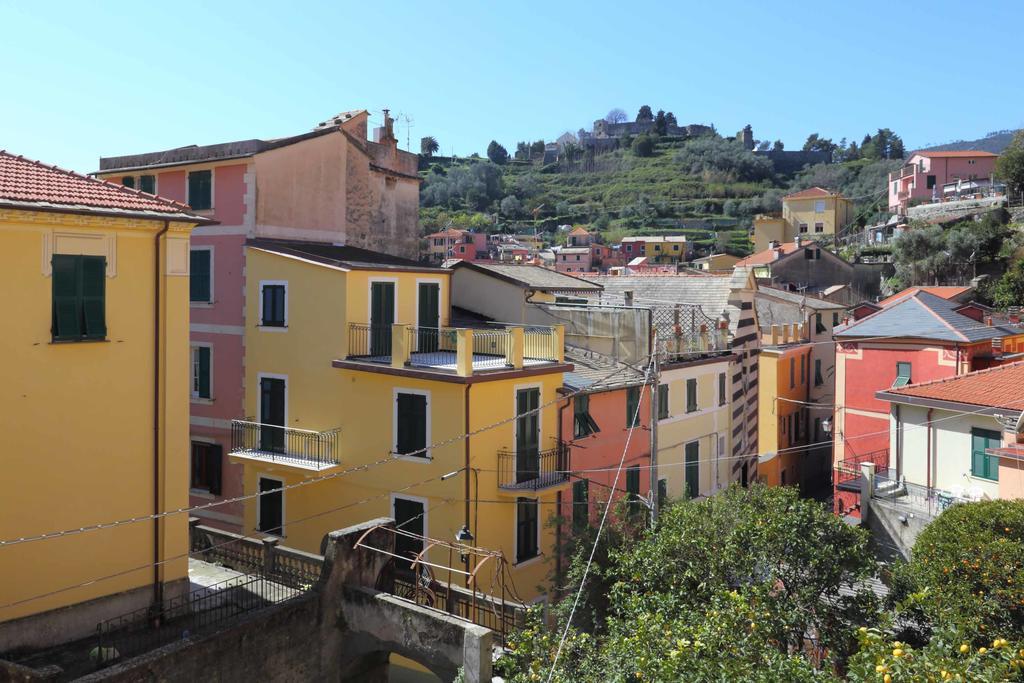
(350,360)
(95,400)
(715,262)
(814,213)
(695,426)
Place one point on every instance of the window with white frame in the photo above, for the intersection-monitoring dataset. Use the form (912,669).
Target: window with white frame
(202,382)
(274,304)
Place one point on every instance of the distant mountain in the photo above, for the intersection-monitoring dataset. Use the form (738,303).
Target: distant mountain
(993,142)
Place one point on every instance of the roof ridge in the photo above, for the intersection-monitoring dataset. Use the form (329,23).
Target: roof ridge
(92,179)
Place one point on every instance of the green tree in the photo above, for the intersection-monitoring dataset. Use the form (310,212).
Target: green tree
(511,207)
(724,588)
(643,145)
(1010,164)
(660,123)
(1009,290)
(616,115)
(670,119)
(496,153)
(966,575)
(778,146)
(429,146)
(644,115)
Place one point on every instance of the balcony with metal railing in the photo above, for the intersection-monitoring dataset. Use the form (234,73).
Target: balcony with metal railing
(302,448)
(903,172)
(454,350)
(532,469)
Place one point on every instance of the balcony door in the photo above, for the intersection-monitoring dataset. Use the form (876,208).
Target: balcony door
(409,516)
(692,469)
(382,317)
(272,409)
(527,435)
(428,316)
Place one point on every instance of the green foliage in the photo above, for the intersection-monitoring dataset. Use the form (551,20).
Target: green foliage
(884,144)
(880,659)
(1009,289)
(927,255)
(724,160)
(511,207)
(471,186)
(643,145)
(1010,164)
(496,153)
(429,146)
(725,588)
(644,114)
(967,572)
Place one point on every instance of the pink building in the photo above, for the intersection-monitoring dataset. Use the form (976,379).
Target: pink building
(328,185)
(573,260)
(924,174)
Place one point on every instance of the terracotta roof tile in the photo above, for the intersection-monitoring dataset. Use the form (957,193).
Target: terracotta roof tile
(810,193)
(768,255)
(954,153)
(998,387)
(944,292)
(27,182)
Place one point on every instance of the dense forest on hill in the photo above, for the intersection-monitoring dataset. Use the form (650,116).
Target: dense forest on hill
(708,188)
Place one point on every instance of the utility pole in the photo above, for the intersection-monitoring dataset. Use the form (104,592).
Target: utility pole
(655,377)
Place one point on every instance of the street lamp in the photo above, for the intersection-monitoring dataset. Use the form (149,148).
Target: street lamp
(826,426)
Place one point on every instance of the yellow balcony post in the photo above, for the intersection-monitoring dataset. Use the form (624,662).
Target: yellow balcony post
(399,345)
(558,341)
(464,353)
(775,335)
(515,347)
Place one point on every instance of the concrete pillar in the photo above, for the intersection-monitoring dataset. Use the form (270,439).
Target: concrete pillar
(464,353)
(515,344)
(400,346)
(867,489)
(269,547)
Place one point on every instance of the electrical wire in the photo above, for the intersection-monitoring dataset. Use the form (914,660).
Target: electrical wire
(305,482)
(600,528)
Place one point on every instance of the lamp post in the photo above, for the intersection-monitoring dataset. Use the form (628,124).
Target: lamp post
(464,537)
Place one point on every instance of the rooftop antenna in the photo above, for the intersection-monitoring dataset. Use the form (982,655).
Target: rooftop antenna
(409,121)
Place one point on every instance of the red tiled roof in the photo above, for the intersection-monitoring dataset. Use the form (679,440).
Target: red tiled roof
(944,292)
(809,193)
(998,387)
(954,153)
(448,232)
(579,231)
(28,183)
(768,255)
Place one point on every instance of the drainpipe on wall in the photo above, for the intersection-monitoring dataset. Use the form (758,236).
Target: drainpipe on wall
(158,588)
(466,472)
(928,472)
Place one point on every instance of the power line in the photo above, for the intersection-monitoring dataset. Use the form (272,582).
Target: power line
(306,482)
(600,528)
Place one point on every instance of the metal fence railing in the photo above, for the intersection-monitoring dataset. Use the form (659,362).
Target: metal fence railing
(490,348)
(198,611)
(848,469)
(539,343)
(533,469)
(369,342)
(285,444)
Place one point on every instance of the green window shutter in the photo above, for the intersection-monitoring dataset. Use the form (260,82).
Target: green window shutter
(662,401)
(147,183)
(633,480)
(199,276)
(273,306)
(721,389)
(903,373)
(203,370)
(94,280)
(580,500)
(128,181)
(662,492)
(691,395)
(632,404)
(411,414)
(818,379)
(200,189)
(582,422)
(67,318)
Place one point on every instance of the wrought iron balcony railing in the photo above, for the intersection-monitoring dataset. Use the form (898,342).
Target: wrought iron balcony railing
(532,469)
(285,445)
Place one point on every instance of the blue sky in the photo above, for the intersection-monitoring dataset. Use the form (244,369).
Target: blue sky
(85,79)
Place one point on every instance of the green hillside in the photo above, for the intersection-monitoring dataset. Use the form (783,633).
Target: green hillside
(706,188)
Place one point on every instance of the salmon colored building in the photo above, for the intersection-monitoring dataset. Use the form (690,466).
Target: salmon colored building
(916,339)
(330,185)
(925,172)
(608,416)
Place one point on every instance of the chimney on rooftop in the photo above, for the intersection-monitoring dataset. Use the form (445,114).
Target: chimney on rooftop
(628,296)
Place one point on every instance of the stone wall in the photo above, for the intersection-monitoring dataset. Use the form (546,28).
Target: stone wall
(947,211)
